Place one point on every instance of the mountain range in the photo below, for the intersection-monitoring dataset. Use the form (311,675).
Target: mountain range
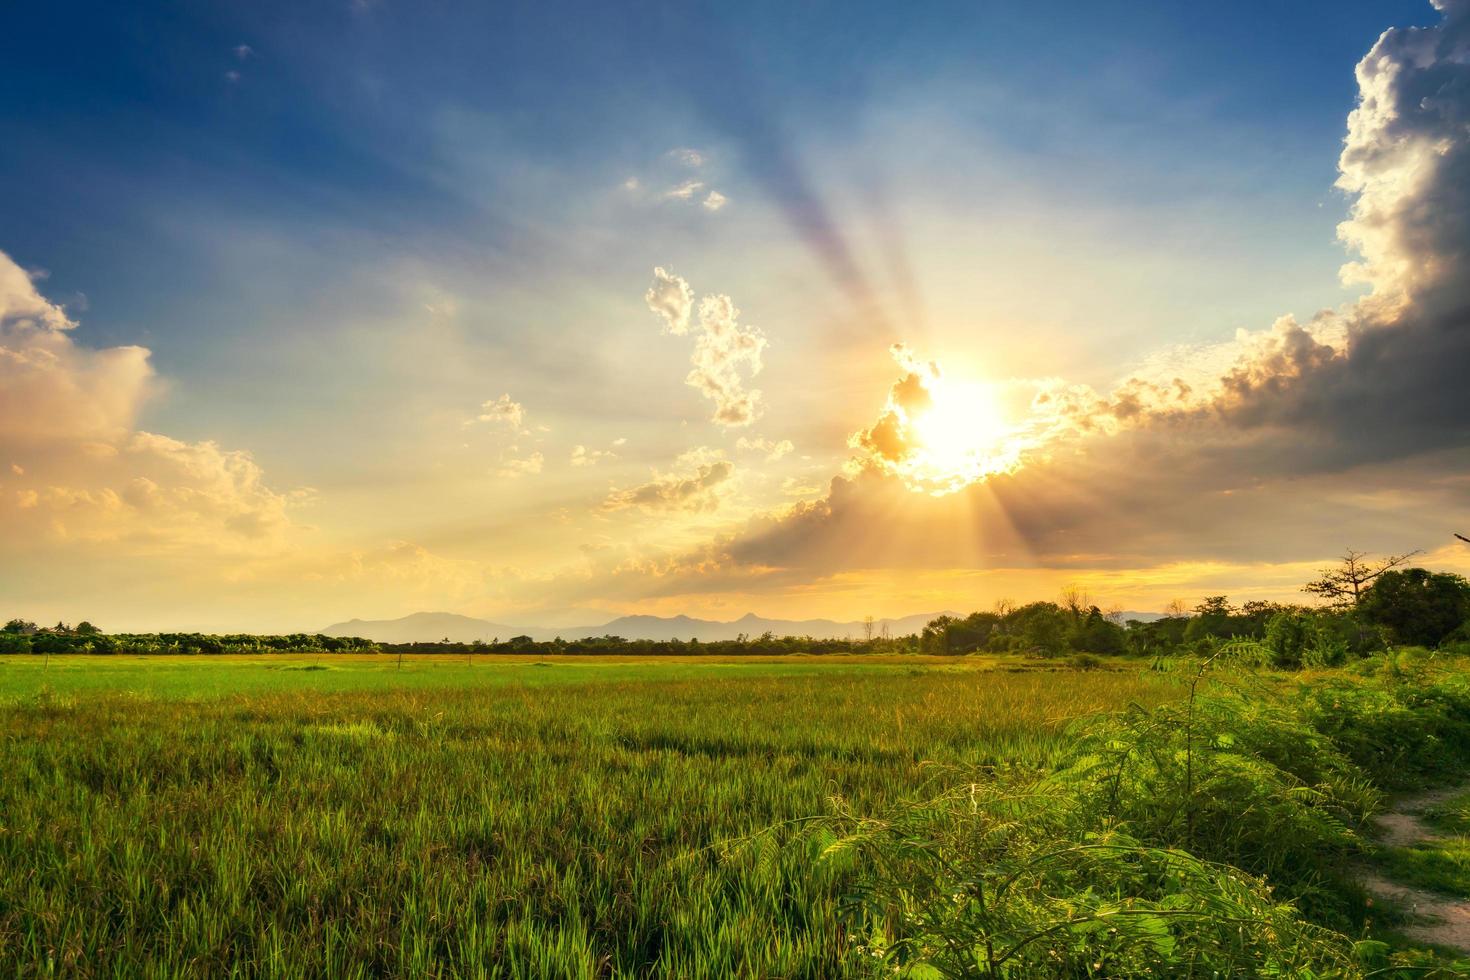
(429,626)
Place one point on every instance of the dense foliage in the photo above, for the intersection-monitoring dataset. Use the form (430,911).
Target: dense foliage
(1209,836)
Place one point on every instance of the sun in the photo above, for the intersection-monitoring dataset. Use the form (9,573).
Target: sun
(960,438)
(940,433)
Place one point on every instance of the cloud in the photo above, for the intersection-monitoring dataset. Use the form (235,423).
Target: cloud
(772,450)
(893,438)
(679,186)
(1383,379)
(696,487)
(685,190)
(723,351)
(582,456)
(1280,444)
(672,299)
(68,416)
(502,411)
(243,52)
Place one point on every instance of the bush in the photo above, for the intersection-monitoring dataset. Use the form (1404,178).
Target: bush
(1237,777)
(1210,836)
(989,881)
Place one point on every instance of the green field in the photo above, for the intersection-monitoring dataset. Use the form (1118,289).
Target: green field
(341,816)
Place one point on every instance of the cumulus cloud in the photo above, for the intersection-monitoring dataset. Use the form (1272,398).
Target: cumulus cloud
(695,486)
(672,299)
(1384,378)
(893,437)
(714,200)
(85,472)
(724,352)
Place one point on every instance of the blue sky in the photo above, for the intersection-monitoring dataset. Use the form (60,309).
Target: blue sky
(339,227)
(115,111)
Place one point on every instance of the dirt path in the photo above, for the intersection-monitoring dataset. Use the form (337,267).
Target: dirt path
(1442,921)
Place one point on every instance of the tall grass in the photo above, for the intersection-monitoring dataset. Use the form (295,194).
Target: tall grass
(463,821)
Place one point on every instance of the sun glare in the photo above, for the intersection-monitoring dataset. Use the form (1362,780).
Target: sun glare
(962,437)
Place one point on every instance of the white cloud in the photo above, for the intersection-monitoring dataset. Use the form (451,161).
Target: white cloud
(723,351)
(688,157)
(684,191)
(671,298)
(715,200)
(70,412)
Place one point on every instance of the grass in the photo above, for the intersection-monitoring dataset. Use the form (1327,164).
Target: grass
(1451,816)
(199,816)
(1440,864)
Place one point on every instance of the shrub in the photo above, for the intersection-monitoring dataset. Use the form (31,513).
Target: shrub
(1208,836)
(992,881)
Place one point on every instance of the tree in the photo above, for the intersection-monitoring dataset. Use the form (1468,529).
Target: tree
(1215,606)
(85,628)
(1417,606)
(1214,616)
(1098,634)
(1344,585)
(1076,601)
(19,626)
(868,629)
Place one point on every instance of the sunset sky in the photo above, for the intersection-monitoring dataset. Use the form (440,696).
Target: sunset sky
(550,312)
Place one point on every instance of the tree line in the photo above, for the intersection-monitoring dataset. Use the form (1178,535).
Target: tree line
(1367,606)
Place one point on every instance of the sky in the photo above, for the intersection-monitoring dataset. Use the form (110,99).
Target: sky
(553,312)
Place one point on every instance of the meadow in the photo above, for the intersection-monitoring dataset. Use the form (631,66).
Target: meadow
(989,816)
(342,816)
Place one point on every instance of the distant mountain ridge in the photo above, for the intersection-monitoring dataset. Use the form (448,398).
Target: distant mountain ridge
(430,626)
